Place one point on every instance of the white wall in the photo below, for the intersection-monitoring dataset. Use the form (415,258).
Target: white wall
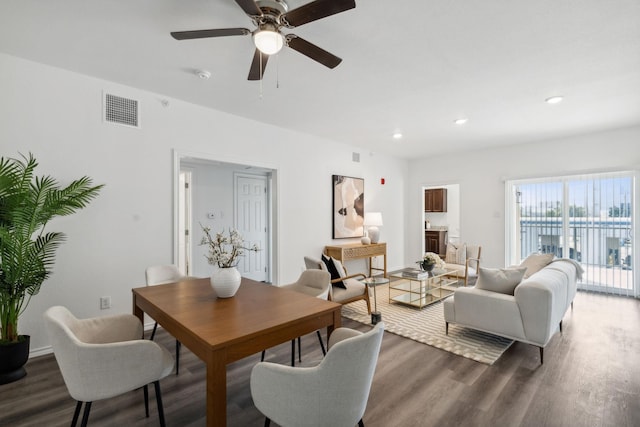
(56,115)
(481,176)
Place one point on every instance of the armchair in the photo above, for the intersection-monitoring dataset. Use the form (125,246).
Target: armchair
(465,261)
(333,393)
(104,357)
(346,288)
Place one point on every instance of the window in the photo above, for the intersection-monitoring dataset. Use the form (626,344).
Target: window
(587,218)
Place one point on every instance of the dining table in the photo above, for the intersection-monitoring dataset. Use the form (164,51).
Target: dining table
(223,330)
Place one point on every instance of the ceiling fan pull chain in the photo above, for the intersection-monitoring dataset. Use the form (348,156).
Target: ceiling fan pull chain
(277,71)
(260,74)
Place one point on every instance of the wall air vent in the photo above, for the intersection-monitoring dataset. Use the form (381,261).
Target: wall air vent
(355,157)
(121,111)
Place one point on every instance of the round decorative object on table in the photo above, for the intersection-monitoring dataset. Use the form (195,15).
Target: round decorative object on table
(226,282)
(376,316)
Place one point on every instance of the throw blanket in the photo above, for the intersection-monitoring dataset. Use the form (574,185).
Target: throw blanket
(579,269)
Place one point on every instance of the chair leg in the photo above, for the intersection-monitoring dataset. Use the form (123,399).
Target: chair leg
(267,422)
(299,350)
(541,355)
(153,333)
(561,326)
(262,357)
(178,346)
(446,328)
(360,423)
(324,353)
(85,415)
(293,352)
(145,390)
(76,414)
(159,402)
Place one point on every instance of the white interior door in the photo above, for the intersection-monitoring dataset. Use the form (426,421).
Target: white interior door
(184,223)
(251,222)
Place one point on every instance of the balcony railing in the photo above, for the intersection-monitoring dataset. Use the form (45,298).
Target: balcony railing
(603,246)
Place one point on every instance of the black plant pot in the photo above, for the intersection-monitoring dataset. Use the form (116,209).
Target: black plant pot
(13,357)
(427,267)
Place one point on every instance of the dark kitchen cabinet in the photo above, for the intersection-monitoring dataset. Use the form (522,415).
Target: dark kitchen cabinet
(436,241)
(435,200)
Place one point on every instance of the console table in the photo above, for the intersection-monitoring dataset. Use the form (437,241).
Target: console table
(358,251)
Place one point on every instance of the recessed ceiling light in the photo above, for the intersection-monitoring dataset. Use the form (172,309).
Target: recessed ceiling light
(554,100)
(397,135)
(460,121)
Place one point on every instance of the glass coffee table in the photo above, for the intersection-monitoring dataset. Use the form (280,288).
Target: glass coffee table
(419,290)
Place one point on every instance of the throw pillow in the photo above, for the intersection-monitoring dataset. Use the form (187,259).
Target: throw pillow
(456,254)
(535,262)
(502,280)
(333,271)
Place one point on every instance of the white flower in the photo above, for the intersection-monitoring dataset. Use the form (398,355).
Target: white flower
(224,251)
(431,258)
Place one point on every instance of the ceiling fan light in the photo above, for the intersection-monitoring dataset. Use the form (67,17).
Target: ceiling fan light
(268,41)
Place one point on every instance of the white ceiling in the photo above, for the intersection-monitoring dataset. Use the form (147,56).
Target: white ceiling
(408,65)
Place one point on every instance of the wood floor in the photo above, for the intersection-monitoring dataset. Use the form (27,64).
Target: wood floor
(591,377)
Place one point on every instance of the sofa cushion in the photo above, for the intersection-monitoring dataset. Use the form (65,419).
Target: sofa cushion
(535,262)
(456,254)
(352,288)
(331,268)
(502,280)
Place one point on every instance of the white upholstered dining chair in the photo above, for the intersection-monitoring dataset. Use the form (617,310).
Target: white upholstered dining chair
(315,283)
(333,393)
(103,357)
(159,275)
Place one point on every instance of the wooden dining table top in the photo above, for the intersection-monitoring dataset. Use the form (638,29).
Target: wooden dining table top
(191,311)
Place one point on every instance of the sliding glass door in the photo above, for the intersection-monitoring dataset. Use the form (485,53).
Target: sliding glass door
(587,218)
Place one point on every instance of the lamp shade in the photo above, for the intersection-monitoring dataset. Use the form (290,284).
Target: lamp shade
(373,218)
(268,41)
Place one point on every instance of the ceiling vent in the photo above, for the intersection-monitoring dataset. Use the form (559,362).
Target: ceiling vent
(121,111)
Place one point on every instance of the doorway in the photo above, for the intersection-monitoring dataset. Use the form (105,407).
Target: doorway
(223,195)
(441,223)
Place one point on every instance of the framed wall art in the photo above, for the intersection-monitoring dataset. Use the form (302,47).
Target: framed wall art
(348,206)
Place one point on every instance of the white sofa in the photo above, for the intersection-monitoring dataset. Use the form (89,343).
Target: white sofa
(532,314)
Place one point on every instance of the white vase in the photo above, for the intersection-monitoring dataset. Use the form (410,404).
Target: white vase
(226,282)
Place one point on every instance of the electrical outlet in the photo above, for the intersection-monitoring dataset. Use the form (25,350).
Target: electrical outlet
(105,303)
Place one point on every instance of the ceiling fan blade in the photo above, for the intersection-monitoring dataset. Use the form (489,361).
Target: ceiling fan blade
(250,7)
(312,51)
(256,71)
(315,10)
(202,34)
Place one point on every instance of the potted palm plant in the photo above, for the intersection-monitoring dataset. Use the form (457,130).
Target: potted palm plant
(27,252)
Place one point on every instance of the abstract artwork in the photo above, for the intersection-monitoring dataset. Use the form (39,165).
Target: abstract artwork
(348,206)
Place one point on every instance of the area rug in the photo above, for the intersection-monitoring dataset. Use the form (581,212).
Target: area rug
(427,326)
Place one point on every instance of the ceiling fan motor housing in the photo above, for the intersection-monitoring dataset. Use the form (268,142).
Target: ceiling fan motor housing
(274,8)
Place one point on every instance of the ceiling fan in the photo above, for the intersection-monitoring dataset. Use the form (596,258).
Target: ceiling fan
(270,17)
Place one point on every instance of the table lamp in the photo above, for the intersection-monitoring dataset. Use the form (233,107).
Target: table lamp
(373,220)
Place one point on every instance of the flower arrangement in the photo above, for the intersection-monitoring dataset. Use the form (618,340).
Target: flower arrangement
(429,260)
(224,250)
